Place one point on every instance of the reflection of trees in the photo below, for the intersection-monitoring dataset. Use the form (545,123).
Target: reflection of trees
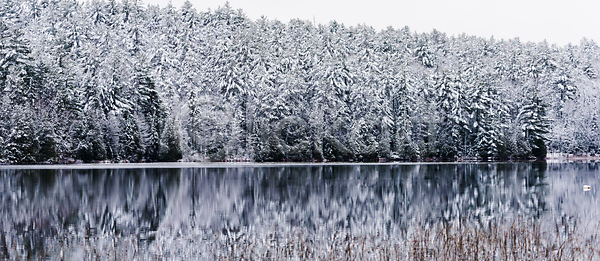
(373,199)
(358,198)
(479,190)
(38,204)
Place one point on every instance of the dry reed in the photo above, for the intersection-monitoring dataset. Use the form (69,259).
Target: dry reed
(463,239)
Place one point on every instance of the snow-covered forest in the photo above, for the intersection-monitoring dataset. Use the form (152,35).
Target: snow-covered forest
(118,80)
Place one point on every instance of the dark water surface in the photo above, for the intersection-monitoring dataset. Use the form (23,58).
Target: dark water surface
(43,210)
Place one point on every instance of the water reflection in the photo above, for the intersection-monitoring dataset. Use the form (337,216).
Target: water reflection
(42,206)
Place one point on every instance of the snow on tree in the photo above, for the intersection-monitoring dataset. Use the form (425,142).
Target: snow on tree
(117,80)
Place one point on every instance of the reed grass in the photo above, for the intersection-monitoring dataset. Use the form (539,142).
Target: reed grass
(463,239)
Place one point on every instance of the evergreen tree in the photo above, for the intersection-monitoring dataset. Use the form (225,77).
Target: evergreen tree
(20,141)
(89,139)
(170,140)
(535,125)
(153,112)
(453,124)
(130,139)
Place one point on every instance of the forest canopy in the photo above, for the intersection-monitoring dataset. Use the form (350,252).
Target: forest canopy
(120,81)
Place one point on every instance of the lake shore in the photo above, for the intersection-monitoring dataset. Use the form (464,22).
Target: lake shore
(176,165)
(230,164)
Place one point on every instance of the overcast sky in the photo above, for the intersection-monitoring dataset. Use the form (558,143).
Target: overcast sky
(559,22)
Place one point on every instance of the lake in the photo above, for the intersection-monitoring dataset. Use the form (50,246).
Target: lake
(281,211)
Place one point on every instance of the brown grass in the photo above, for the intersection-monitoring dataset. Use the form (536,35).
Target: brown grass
(516,239)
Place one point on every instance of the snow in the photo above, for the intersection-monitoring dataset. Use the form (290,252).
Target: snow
(123,82)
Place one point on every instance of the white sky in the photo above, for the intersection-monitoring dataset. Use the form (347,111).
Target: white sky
(559,22)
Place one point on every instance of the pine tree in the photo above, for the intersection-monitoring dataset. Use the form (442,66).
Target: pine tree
(15,65)
(90,141)
(454,125)
(170,149)
(153,112)
(20,141)
(535,125)
(130,138)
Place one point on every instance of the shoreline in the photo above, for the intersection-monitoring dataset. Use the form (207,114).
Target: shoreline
(177,165)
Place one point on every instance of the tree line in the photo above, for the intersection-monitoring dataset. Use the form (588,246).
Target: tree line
(120,81)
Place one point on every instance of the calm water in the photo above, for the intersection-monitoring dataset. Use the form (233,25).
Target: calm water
(43,209)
